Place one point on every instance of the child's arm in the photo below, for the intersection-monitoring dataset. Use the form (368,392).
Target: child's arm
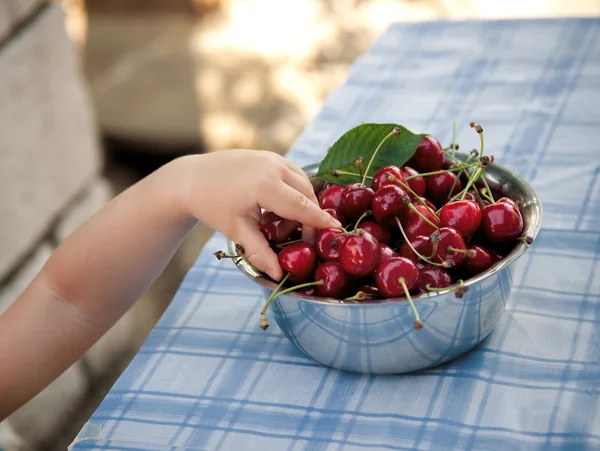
(101,269)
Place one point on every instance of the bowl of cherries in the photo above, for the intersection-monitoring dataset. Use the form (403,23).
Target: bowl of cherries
(421,269)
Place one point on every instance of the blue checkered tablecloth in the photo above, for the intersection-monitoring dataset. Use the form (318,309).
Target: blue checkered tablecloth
(209,379)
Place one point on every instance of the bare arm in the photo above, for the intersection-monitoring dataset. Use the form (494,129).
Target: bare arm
(100,270)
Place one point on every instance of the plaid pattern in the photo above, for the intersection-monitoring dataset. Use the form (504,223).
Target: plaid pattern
(208,378)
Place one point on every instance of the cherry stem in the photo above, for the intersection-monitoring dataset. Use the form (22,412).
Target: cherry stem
(468,252)
(418,322)
(473,154)
(412,247)
(276,293)
(489,191)
(484,193)
(395,131)
(416,196)
(358,163)
(337,173)
(413,208)
(270,298)
(434,248)
(282,245)
(476,174)
(481,141)
(363,216)
(441,171)
(359,296)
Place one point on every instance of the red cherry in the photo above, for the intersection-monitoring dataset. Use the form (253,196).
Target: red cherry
(462,215)
(360,254)
(370,290)
(478,261)
(417,184)
(502,221)
(427,202)
(389,201)
(329,242)
(276,229)
(451,247)
(331,197)
(508,200)
(335,280)
(435,277)
(337,215)
(356,198)
(414,225)
(439,186)
(381,177)
(496,255)
(298,259)
(386,252)
(422,245)
(389,274)
(383,235)
(470,196)
(429,155)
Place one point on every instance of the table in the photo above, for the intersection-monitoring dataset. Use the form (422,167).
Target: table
(208,378)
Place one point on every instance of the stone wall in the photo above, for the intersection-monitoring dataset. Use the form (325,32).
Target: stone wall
(50,182)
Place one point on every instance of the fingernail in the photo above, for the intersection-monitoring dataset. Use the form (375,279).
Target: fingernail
(336,222)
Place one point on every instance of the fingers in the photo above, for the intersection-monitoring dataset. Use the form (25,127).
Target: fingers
(258,251)
(300,183)
(289,203)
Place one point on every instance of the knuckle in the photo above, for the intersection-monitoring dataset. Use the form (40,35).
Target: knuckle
(302,202)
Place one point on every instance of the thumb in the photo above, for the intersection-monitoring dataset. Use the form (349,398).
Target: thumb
(258,251)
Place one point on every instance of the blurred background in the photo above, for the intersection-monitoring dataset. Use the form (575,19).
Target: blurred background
(95,94)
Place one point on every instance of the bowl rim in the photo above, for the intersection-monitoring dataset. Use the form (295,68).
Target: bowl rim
(520,248)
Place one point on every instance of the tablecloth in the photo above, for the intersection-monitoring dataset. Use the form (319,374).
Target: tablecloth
(208,378)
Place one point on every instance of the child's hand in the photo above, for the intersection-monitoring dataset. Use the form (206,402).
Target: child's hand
(228,189)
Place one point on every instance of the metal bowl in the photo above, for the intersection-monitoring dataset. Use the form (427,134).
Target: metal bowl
(379,337)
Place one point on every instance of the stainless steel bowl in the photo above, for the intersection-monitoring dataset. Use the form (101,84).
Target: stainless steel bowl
(379,337)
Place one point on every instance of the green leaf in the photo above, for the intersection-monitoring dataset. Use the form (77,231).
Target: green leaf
(362,141)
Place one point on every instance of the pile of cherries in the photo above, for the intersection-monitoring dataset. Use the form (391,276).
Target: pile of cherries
(414,230)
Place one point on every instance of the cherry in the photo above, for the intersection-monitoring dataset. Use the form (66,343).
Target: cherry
(439,186)
(479,260)
(386,252)
(331,197)
(389,201)
(462,215)
(417,184)
(451,247)
(329,241)
(391,273)
(422,245)
(276,229)
(470,196)
(508,200)
(370,290)
(335,280)
(502,221)
(435,277)
(381,177)
(429,155)
(337,215)
(495,255)
(426,201)
(360,254)
(383,235)
(299,260)
(414,225)
(356,198)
